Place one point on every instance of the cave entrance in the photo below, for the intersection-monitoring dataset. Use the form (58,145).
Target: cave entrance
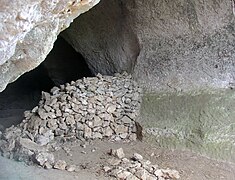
(63,64)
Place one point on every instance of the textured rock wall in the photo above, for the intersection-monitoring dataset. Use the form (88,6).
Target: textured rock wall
(28,30)
(178,45)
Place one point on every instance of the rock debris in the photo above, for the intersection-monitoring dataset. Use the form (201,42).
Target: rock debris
(101,107)
(136,168)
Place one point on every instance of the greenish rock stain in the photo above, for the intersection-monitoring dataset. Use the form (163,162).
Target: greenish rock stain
(203,122)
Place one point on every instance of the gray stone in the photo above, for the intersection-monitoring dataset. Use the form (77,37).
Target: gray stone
(70,120)
(126,120)
(70,168)
(97,135)
(35,109)
(107,169)
(124,136)
(105,124)
(61,165)
(43,157)
(47,165)
(108,132)
(120,129)
(47,108)
(45,138)
(137,157)
(55,90)
(119,153)
(141,173)
(87,132)
(42,113)
(123,174)
(114,161)
(63,126)
(111,109)
(132,177)
(170,174)
(158,173)
(52,124)
(28,144)
(27,114)
(133,137)
(97,121)
(80,126)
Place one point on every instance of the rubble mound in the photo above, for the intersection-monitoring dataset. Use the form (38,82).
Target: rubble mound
(90,108)
(136,168)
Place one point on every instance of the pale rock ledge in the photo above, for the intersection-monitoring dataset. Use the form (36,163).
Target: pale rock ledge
(28,30)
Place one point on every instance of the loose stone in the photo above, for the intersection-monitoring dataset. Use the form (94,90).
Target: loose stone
(60,165)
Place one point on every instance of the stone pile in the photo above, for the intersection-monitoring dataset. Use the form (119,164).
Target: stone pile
(136,168)
(90,108)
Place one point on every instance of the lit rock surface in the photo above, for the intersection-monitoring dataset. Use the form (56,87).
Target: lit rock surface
(28,30)
(166,45)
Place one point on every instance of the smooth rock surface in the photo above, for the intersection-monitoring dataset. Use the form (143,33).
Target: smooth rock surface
(167,45)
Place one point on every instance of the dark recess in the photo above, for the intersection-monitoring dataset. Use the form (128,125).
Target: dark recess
(62,65)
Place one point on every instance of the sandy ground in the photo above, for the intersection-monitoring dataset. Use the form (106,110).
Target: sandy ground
(91,159)
(12,170)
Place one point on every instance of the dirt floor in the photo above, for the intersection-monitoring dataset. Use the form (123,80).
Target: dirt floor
(92,156)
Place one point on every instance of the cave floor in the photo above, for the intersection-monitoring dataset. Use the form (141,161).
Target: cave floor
(90,159)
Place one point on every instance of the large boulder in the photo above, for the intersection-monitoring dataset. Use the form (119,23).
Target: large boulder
(29,29)
(178,45)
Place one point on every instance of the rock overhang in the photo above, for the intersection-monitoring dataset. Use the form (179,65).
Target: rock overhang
(29,30)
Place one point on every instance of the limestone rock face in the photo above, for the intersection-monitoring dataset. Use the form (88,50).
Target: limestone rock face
(176,45)
(28,29)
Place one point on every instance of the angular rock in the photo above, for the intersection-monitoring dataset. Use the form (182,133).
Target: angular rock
(107,169)
(87,132)
(61,165)
(133,137)
(114,161)
(45,138)
(119,153)
(70,168)
(126,120)
(43,157)
(123,174)
(121,129)
(97,135)
(137,157)
(97,121)
(28,144)
(108,132)
(47,165)
(111,109)
(70,120)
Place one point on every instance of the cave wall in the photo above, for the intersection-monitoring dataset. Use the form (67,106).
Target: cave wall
(179,45)
(29,29)
(183,53)
(64,64)
(168,46)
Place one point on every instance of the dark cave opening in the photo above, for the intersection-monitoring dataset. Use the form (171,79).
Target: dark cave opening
(63,64)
